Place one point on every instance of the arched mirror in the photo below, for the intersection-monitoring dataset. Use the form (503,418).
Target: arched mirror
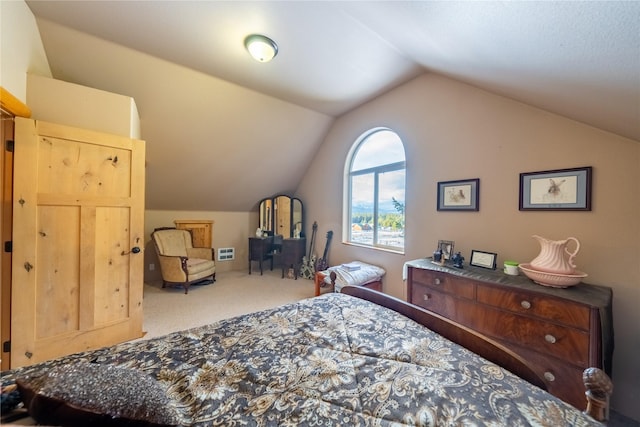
(282,215)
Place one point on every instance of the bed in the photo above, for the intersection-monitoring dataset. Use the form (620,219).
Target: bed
(354,358)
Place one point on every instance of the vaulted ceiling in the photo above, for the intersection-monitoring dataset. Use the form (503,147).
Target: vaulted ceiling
(211,114)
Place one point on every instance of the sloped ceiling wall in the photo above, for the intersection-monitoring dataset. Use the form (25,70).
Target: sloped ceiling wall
(226,147)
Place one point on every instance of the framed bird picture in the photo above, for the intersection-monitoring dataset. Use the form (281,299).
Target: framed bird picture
(556,190)
(459,195)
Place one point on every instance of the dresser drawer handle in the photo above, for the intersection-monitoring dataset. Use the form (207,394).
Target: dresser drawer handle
(436,281)
(550,339)
(525,304)
(549,376)
(426,297)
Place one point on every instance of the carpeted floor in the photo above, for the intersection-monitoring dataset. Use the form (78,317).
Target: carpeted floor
(234,293)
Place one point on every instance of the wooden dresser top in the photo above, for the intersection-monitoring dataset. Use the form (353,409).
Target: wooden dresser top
(592,295)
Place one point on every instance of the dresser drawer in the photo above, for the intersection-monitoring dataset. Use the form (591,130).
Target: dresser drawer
(444,282)
(560,378)
(543,337)
(433,300)
(561,311)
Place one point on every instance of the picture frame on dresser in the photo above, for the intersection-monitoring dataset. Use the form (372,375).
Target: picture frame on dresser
(446,247)
(461,195)
(556,190)
(483,259)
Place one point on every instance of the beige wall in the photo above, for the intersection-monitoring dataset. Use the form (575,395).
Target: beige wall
(454,131)
(230,230)
(21,51)
(70,104)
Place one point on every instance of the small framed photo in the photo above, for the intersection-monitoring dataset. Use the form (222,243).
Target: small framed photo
(483,259)
(446,246)
(458,195)
(556,190)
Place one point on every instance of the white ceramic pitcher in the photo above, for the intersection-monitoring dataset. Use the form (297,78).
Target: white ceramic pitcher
(552,256)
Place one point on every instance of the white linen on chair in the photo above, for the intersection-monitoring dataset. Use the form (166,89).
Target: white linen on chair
(365,274)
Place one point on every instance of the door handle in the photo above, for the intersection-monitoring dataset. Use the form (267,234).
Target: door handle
(133,250)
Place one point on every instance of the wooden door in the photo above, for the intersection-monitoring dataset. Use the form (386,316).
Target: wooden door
(78,228)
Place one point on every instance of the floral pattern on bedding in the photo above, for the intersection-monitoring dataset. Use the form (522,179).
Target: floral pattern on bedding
(333,360)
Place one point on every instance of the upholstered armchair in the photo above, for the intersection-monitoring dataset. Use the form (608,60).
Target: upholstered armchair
(180,262)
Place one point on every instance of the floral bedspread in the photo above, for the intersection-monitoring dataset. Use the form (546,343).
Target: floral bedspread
(332,360)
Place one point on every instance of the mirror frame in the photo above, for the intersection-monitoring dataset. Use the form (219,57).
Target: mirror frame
(267,211)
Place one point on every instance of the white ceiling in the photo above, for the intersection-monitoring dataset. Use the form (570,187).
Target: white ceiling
(577,59)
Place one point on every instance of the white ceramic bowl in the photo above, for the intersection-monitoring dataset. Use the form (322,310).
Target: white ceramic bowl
(555,280)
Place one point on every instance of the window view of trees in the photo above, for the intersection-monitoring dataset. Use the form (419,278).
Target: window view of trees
(377,189)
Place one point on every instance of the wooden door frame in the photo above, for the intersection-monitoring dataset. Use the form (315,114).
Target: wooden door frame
(10,107)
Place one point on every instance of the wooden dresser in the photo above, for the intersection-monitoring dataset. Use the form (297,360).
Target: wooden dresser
(201,230)
(559,331)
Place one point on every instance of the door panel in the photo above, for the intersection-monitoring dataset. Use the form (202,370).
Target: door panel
(57,302)
(112,264)
(78,212)
(84,169)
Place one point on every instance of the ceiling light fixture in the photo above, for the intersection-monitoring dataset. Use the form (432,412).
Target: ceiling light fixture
(260,47)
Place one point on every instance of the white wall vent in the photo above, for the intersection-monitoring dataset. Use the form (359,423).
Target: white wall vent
(226,254)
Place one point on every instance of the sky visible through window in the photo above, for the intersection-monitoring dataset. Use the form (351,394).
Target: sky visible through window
(380,148)
(377,189)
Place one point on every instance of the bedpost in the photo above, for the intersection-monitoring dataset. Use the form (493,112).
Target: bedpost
(599,388)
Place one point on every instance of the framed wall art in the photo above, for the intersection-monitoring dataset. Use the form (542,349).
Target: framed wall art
(556,190)
(458,195)
(483,259)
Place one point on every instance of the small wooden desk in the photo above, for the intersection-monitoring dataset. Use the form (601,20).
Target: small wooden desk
(290,256)
(260,249)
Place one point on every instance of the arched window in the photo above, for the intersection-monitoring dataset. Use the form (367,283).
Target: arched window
(375,190)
